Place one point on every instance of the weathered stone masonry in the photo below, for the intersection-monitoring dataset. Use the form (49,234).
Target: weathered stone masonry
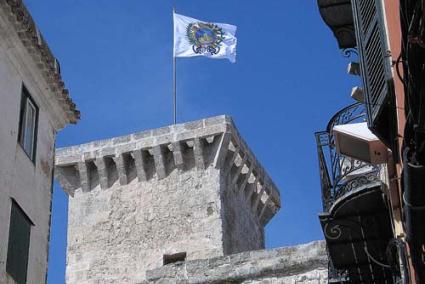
(306,264)
(193,187)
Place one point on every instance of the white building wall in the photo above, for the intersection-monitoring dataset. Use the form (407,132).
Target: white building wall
(27,182)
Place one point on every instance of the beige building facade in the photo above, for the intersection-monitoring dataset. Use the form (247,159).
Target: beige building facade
(34,105)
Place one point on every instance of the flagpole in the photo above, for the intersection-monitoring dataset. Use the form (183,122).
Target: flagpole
(174,78)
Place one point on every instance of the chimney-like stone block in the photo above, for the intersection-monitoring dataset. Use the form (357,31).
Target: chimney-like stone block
(84,175)
(198,149)
(122,167)
(140,159)
(160,166)
(178,154)
(103,172)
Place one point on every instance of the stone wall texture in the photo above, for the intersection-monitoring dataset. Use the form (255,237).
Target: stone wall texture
(242,230)
(192,188)
(306,264)
(130,228)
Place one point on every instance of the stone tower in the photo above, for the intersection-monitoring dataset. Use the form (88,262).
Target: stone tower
(183,192)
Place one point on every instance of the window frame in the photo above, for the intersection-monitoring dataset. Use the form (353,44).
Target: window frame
(26,102)
(15,207)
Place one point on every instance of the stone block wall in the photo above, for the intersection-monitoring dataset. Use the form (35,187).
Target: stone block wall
(240,222)
(302,264)
(130,228)
(191,188)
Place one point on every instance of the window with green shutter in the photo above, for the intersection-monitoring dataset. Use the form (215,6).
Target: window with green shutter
(28,124)
(19,243)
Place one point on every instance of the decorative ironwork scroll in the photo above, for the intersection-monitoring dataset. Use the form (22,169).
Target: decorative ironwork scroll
(349,52)
(340,174)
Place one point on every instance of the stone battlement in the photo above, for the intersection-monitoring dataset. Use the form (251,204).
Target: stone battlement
(154,154)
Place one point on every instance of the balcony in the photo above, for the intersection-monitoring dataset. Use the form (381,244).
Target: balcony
(358,26)
(355,219)
(338,15)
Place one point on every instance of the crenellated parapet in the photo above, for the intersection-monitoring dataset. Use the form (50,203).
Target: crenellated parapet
(154,154)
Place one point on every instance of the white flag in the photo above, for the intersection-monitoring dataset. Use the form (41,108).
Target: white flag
(197,38)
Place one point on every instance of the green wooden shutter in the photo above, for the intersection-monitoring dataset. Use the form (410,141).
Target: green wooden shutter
(375,63)
(19,242)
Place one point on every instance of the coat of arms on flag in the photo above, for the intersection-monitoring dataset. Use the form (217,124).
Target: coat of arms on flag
(197,38)
(205,37)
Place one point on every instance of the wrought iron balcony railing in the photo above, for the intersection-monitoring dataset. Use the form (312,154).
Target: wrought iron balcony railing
(340,174)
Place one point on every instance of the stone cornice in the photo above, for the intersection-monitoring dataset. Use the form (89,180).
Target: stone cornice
(37,47)
(212,142)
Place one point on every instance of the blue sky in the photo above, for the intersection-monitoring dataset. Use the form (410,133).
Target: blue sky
(289,79)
